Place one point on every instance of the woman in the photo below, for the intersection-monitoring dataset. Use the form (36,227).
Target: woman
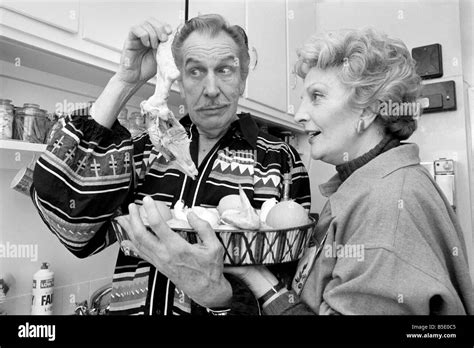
(387,241)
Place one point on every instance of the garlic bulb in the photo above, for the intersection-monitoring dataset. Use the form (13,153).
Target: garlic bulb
(244,218)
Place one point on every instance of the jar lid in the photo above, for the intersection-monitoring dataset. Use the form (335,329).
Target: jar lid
(6,105)
(31,105)
(31,111)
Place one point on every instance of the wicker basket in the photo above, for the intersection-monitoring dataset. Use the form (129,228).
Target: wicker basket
(264,247)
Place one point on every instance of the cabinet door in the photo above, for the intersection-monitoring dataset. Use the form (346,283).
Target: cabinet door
(301,25)
(232,10)
(267,82)
(62,15)
(107,23)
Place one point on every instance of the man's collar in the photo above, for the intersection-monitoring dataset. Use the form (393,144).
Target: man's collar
(248,128)
(245,124)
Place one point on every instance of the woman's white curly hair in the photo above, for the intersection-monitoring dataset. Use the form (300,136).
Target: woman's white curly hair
(375,67)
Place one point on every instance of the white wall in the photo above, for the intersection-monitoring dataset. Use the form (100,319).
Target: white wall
(75,279)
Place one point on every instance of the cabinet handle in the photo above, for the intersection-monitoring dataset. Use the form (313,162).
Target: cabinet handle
(255,58)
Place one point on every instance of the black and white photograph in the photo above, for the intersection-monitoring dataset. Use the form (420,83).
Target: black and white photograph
(273,162)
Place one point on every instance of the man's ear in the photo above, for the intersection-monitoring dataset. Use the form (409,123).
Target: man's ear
(242,88)
(181,87)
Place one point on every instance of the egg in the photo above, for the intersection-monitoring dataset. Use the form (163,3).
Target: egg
(229,202)
(162,208)
(208,214)
(287,214)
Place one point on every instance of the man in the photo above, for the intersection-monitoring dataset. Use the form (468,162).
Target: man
(97,170)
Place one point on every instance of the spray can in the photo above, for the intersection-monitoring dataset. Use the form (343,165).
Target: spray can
(43,283)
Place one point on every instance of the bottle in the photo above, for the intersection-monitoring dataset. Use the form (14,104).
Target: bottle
(43,283)
(287,183)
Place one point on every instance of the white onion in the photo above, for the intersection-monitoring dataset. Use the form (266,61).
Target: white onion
(266,207)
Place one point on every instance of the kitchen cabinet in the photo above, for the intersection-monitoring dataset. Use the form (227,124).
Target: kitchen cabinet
(267,82)
(89,35)
(61,15)
(301,25)
(108,23)
(234,11)
(52,26)
(266,28)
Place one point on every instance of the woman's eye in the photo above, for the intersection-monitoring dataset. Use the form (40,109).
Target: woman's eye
(315,96)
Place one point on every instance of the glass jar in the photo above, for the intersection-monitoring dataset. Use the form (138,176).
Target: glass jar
(6,119)
(136,123)
(48,123)
(31,123)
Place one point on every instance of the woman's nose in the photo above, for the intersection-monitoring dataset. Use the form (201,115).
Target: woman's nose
(211,89)
(301,115)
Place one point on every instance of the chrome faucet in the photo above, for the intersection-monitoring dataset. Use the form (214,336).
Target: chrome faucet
(98,306)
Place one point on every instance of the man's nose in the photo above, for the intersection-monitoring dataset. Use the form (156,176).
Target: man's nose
(211,88)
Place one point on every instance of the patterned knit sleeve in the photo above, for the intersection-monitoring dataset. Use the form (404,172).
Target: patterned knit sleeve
(81,181)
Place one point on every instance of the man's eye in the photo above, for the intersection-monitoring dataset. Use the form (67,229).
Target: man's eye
(225,71)
(195,72)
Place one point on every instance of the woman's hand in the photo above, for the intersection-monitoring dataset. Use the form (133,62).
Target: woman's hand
(138,62)
(258,278)
(196,269)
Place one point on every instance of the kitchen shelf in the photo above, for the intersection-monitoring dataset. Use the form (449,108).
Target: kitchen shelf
(16,154)
(21,145)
